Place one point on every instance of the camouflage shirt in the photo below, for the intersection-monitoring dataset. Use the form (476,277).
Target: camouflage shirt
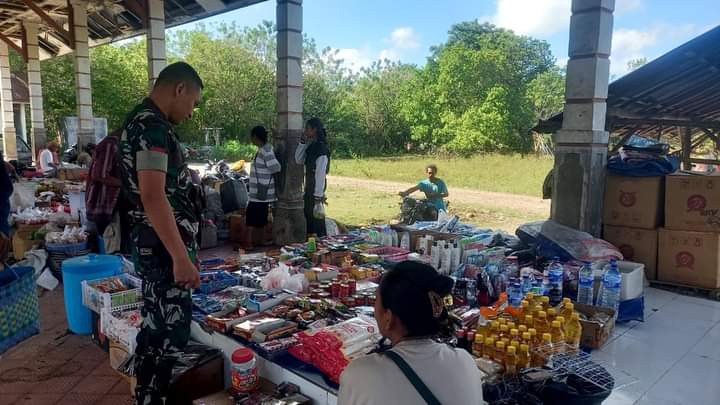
(149,142)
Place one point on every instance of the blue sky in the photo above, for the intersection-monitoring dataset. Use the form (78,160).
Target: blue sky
(404,30)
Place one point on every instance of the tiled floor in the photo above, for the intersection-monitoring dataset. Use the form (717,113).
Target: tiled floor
(55,368)
(674,354)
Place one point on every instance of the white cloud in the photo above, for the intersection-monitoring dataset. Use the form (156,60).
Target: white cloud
(389,54)
(405,38)
(629,44)
(533,17)
(355,58)
(626,6)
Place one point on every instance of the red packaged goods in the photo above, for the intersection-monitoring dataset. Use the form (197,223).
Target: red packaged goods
(331,349)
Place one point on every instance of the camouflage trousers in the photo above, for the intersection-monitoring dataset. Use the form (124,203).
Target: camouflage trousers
(167,313)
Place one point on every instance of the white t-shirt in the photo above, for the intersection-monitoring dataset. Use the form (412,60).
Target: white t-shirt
(450,374)
(45,159)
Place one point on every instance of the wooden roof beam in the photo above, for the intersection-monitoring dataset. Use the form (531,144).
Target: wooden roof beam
(139,8)
(13,45)
(64,35)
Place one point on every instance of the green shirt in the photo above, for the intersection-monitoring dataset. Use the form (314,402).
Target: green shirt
(438,187)
(149,142)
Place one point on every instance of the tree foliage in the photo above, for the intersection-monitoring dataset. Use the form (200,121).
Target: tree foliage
(480,91)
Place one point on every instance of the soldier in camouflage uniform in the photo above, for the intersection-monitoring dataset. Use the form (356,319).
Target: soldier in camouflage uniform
(164,223)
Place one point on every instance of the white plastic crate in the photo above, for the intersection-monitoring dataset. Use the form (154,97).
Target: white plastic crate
(115,327)
(98,301)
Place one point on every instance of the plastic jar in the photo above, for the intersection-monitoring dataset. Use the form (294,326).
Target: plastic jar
(244,372)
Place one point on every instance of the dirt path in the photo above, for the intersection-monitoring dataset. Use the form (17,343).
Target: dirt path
(527,204)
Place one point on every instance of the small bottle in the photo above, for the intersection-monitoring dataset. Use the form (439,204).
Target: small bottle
(494,329)
(534,339)
(522,329)
(573,331)
(470,341)
(541,324)
(530,298)
(524,309)
(567,311)
(511,361)
(535,310)
(558,337)
(311,245)
(502,321)
(511,325)
(539,356)
(505,340)
(504,331)
(586,282)
(483,328)
(561,319)
(529,321)
(461,339)
(489,349)
(499,353)
(515,336)
(551,314)
(524,357)
(545,302)
(477,348)
(527,339)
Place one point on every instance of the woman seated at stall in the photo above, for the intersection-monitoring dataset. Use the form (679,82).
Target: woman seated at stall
(410,310)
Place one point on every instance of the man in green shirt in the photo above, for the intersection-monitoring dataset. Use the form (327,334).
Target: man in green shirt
(434,188)
(164,220)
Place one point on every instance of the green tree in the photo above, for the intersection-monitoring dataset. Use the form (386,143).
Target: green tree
(636,63)
(547,93)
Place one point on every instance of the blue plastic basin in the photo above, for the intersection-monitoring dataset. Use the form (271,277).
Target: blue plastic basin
(75,271)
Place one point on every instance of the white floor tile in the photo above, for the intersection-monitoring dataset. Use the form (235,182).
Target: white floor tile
(646,400)
(693,380)
(709,346)
(656,298)
(699,301)
(681,308)
(642,361)
(668,330)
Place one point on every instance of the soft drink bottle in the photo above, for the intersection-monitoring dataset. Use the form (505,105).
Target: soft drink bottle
(585,284)
(611,287)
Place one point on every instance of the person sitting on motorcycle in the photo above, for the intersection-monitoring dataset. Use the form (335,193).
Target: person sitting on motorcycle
(434,188)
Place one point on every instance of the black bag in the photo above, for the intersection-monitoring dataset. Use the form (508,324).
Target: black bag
(234,196)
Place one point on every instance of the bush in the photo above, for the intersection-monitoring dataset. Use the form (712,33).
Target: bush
(231,151)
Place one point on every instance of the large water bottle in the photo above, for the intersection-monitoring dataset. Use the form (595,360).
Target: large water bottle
(556,275)
(515,295)
(612,279)
(586,281)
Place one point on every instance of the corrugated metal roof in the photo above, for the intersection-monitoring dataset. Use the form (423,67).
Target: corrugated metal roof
(681,86)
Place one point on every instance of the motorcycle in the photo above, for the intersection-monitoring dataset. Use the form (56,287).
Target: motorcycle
(413,210)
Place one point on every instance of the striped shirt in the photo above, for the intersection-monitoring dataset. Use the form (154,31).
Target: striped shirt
(261,171)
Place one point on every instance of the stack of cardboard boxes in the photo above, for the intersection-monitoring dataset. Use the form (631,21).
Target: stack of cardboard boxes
(686,250)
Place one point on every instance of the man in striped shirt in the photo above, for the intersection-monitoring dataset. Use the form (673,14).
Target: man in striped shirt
(262,186)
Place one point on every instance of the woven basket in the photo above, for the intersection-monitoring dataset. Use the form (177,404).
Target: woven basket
(58,253)
(19,309)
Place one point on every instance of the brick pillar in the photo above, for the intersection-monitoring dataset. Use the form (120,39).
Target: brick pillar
(38,135)
(7,118)
(289,221)
(83,89)
(581,144)
(156,57)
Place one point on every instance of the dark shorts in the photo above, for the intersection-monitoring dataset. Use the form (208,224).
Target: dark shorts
(257,214)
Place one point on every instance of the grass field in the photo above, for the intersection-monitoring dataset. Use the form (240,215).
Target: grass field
(500,173)
(359,207)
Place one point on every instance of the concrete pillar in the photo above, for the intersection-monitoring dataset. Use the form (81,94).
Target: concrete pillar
(83,89)
(7,119)
(581,144)
(288,218)
(156,57)
(38,136)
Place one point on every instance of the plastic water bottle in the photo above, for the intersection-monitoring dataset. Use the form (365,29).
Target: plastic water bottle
(556,275)
(612,279)
(586,281)
(526,285)
(515,295)
(512,267)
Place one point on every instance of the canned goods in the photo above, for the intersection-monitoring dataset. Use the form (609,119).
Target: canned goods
(352,284)
(324,295)
(344,290)
(349,301)
(371,300)
(335,290)
(316,293)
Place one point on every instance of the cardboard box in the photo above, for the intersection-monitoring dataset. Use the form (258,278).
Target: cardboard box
(635,202)
(689,258)
(238,229)
(72,174)
(636,245)
(692,203)
(21,243)
(594,332)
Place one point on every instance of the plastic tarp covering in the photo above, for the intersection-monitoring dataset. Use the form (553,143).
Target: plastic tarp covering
(554,240)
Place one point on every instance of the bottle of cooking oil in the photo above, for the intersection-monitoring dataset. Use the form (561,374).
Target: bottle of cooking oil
(530,298)
(477,345)
(502,321)
(551,314)
(511,325)
(522,329)
(541,323)
(567,311)
(535,339)
(489,349)
(536,309)
(511,361)
(540,354)
(560,319)
(515,336)
(499,353)
(545,302)
(483,328)
(494,329)
(505,340)
(524,309)
(526,339)
(558,337)
(573,331)
(529,321)
(524,357)
(504,331)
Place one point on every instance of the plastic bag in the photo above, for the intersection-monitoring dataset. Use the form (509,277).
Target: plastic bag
(297,283)
(276,278)
(555,240)
(331,228)
(22,198)
(193,355)
(319,210)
